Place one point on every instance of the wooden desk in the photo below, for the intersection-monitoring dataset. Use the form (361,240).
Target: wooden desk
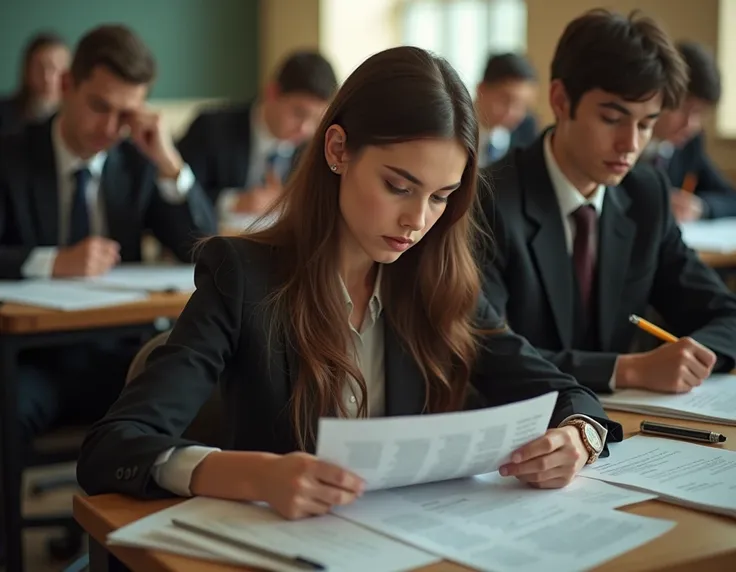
(21,319)
(23,327)
(699,541)
(719,259)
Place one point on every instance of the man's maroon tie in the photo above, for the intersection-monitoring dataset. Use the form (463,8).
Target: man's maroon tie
(585,250)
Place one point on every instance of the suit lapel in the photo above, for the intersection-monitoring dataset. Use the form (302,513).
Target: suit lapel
(405,387)
(114,186)
(616,238)
(44,184)
(547,238)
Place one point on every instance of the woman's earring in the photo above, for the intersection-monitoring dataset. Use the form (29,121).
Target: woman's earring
(334,168)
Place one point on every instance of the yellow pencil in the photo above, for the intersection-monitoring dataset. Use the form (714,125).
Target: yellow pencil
(690,182)
(650,328)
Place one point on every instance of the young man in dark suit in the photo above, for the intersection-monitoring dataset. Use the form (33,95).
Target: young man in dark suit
(581,240)
(503,98)
(242,154)
(75,199)
(678,144)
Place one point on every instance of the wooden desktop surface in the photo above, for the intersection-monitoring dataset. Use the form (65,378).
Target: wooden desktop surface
(22,319)
(699,541)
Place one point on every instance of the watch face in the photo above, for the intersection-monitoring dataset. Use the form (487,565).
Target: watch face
(593,438)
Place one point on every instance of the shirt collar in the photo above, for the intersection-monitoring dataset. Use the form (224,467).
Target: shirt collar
(67,162)
(375,305)
(568,197)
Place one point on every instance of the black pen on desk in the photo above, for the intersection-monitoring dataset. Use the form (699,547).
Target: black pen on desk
(297,561)
(652,428)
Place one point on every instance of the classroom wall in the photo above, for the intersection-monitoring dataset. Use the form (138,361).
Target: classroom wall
(683,19)
(205,48)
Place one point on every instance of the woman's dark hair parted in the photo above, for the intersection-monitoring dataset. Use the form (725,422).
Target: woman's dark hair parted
(630,56)
(399,95)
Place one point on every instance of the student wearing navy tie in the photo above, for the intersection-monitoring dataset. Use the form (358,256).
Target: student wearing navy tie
(363,300)
(700,190)
(503,99)
(242,154)
(76,198)
(581,240)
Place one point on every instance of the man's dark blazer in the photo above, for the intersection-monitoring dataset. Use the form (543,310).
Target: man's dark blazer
(223,334)
(11,115)
(525,133)
(642,261)
(29,202)
(713,188)
(217,147)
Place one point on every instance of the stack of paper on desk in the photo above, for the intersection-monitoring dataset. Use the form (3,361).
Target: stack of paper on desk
(64,295)
(717,235)
(488,522)
(688,474)
(714,401)
(148,278)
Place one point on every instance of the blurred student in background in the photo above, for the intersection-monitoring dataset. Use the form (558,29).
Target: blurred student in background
(242,154)
(503,99)
(700,190)
(45,59)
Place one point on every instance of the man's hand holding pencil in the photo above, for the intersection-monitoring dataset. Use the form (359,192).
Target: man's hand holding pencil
(675,367)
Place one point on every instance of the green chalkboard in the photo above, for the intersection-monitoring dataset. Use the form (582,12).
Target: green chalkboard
(204,48)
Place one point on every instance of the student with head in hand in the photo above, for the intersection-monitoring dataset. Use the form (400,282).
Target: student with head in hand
(45,59)
(583,238)
(80,188)
(363,300)
(243,154)
(503,101)
(75,199)
(700,190)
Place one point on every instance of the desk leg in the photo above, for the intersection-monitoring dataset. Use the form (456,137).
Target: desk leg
(101,560)
(10,460)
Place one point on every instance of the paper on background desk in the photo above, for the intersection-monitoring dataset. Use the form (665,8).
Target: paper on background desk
(714,401)
(717,235)
(67,295)
(332,541)
(683,473)
(397,451)
(148,278)
(501,525)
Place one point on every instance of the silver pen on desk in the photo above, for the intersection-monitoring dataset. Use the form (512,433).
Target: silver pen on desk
(298,561)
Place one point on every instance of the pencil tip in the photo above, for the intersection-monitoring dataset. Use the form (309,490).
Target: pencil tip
(721,438)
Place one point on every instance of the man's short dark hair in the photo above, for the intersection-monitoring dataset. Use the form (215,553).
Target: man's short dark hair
(307,73)
(631,57)
(116,48)
(509,66)
(704,76)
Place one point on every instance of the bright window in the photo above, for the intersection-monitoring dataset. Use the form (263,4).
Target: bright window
(726,114)
(465,32)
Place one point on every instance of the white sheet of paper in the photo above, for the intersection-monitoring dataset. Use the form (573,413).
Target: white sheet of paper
(683,473)
(397,451)
(503,528)
(718,235)
(714,400)
(65,295)
(332,541)
(149,278)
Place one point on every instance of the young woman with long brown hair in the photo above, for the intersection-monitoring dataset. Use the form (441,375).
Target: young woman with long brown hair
(362,301)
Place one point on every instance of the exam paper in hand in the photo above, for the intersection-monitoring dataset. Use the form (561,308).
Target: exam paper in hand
(500,527)
(396,451)
(683,473)
(338,544)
